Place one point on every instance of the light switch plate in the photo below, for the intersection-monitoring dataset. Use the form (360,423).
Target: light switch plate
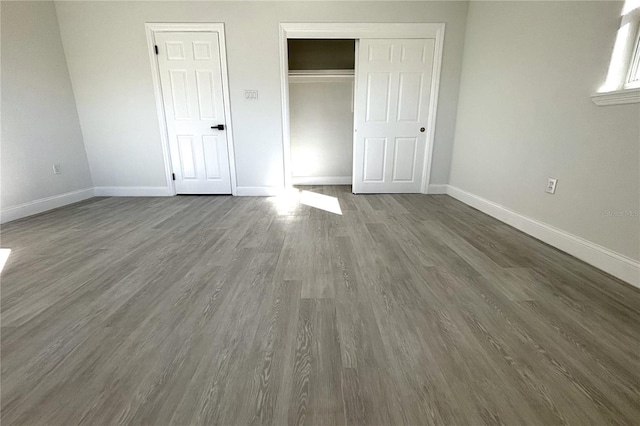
(251,95)
(56,169)
(551,185)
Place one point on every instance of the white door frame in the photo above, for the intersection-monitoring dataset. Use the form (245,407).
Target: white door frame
(151,30)
(358,31)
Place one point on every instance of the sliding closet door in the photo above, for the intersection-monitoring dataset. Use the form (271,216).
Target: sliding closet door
(393,88)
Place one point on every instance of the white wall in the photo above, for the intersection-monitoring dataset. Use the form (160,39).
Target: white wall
(321,130)
(525,114)
(40,124)
(109,65)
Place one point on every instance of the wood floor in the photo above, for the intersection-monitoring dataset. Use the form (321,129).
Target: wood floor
(405,309)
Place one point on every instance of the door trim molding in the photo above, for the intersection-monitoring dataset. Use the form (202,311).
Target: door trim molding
(358,31)
(151,28)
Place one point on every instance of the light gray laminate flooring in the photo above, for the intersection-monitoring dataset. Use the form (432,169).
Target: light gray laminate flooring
(405,309)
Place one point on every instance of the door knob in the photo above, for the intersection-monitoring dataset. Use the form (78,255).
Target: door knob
(218,127)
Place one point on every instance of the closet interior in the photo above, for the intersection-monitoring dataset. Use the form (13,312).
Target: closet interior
(321,93)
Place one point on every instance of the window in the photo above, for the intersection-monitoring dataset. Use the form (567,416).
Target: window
(623,79)
(634,69)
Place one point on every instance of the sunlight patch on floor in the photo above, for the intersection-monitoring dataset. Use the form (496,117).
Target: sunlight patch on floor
(4,255)
(321,201)
(290,200)
(286,202)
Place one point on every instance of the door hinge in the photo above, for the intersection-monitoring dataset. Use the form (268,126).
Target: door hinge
(155,47)
(173,175)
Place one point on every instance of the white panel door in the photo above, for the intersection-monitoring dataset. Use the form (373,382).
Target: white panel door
(191,80)
(393,87)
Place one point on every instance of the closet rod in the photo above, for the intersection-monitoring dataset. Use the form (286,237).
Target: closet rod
(320,76)
(323,73)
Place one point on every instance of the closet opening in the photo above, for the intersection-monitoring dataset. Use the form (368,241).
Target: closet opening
(321,111)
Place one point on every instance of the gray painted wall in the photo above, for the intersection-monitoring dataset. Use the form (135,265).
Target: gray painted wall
(109,64)
(525,114)
(40,124)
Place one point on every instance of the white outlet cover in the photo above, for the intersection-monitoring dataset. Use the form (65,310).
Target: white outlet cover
(551,185)
(251,95)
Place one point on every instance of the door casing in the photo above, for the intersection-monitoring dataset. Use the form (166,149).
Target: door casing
(359,31)
(151,30)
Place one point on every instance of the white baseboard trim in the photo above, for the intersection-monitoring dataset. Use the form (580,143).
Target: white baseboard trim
(132,191)
(44,204)
(437,189)
(618,265)
(321,180)
(258,191)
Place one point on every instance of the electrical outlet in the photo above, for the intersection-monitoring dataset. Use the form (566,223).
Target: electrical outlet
(551,185)
(251,95)
(56,169)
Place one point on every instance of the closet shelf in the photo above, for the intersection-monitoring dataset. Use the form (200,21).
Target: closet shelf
(320,76)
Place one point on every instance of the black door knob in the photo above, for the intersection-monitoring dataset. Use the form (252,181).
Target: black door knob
(218,127)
